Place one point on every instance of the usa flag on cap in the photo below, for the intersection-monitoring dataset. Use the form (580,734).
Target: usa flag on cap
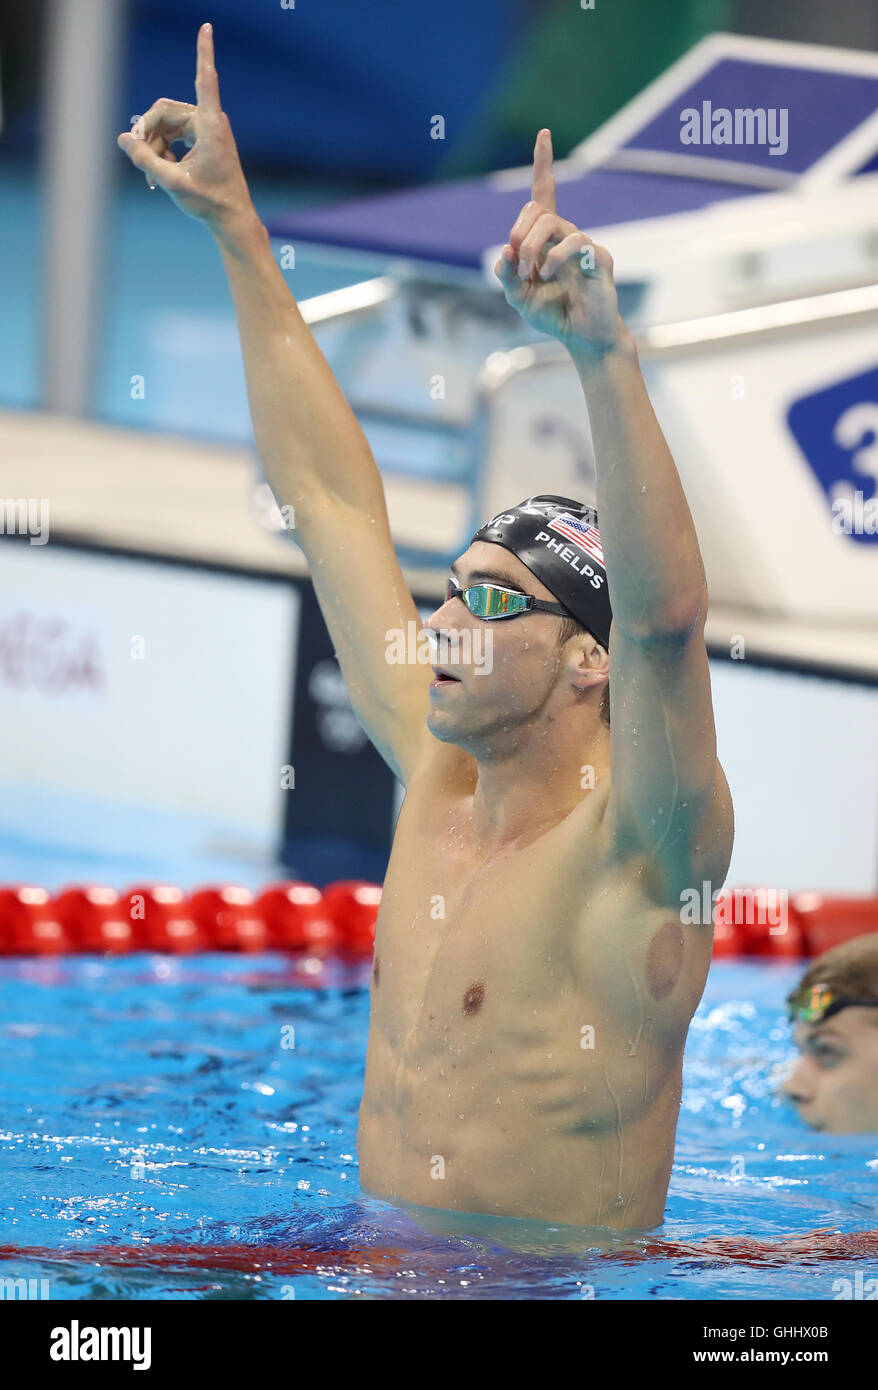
(586,537)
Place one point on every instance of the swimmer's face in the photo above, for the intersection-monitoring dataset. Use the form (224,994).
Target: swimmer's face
(834,1085)
(512,674)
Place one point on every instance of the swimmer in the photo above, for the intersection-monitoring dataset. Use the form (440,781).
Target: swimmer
(834,1009)
(533,980)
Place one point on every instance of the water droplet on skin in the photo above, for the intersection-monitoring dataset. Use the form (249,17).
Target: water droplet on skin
(643,489)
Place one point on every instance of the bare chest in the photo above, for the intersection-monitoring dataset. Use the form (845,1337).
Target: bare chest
(523,950)
(526,1010)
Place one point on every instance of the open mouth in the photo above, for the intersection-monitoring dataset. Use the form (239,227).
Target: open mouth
(441,677)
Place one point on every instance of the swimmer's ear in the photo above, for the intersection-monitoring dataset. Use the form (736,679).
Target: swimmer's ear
(592,662)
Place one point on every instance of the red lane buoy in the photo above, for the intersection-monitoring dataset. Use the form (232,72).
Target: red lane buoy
(353,905)
(95,918)
(828,920)
(297,919)
(727,940)
(161,920)
(765,920)
(229,918)
(29,924)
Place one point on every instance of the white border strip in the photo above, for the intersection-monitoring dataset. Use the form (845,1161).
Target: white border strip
(701,167)
(737,322)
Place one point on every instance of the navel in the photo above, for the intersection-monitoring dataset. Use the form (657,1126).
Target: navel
(474,998)
(376,970)
(664,959)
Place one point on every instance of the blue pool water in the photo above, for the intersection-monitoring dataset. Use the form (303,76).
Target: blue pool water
(152,1105)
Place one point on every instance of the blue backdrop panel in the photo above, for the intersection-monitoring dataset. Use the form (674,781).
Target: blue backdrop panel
(335,86)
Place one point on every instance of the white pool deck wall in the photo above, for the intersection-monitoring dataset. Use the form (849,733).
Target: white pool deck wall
(148,649)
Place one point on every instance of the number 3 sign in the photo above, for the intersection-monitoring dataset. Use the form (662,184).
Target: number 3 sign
(837,431)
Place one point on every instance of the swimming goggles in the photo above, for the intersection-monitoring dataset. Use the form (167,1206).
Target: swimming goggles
(492,601)
(815,1003)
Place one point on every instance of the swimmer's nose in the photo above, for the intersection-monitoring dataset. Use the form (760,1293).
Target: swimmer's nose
(447,606)
(796,1089)
(440,634)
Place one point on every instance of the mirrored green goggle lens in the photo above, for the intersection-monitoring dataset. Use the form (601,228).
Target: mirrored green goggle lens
(815,1004)
(484,601)
(811,1004)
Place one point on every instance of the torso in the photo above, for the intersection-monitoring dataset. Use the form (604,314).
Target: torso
(528,1020)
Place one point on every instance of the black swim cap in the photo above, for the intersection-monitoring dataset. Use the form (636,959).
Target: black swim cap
(559,541)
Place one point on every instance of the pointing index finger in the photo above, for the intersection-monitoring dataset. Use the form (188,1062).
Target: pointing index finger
(543,188)
(206,80)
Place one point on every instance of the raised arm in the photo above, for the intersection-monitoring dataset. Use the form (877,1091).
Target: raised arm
(668,794)
(314,453)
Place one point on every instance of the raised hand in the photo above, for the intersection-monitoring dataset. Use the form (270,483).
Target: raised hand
(207,183)
(553,274)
